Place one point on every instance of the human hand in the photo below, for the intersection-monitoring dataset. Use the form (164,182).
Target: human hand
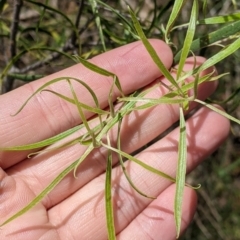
(75,208)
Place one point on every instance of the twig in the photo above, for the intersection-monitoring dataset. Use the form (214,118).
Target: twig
(202,227)
(67,47)
(214,222)
(14,26)
(79,14)
(13,45)
(210,205)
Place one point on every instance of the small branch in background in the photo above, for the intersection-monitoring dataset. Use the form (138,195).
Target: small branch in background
(202,227)
(67,47)
(8,83)
(14,26)
(79,14)
(70,45)
(203,211)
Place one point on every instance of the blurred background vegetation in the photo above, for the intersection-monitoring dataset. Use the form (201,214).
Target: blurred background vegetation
(40,37)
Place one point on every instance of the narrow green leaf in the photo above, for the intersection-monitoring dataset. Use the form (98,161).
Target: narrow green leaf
(214,20)
(81,114)
(37,91)
(94,96)
(131,182)
(104,72)
(123,167)
(217,110)
(206,78)
(221,19)
(40,89)
(70,100)
(189,37)
(171,97)
(151,102)
(218,35)
(178,4)
(195,86)
(39,197)
(144,165)
(181,172)
(51,186)
(108,198)
(94,67)
(100,71)
(227,51)
(85,140)
(45,142)
(152,51)
(72,142)
(117,12)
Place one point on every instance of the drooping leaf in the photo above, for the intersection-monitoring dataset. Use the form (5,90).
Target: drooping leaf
(215,109)
(144,165)
(188,38)
(218,35)
(221,19)
(181,172)
(178,4)
(70,100)
(108,198)
(45,142)
(230,49)
(100,71)
(123,166)
(152,51)
(81,114)
(41,195)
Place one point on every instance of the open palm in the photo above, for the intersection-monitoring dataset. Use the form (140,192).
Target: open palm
(75,208)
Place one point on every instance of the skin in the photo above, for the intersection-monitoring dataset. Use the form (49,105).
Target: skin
(75,208)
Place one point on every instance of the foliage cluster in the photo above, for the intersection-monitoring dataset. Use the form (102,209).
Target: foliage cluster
(88,28)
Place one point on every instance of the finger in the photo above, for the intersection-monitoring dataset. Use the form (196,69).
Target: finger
(14,196)
(157,220)
(46,115)
(137,130)
(85,208)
